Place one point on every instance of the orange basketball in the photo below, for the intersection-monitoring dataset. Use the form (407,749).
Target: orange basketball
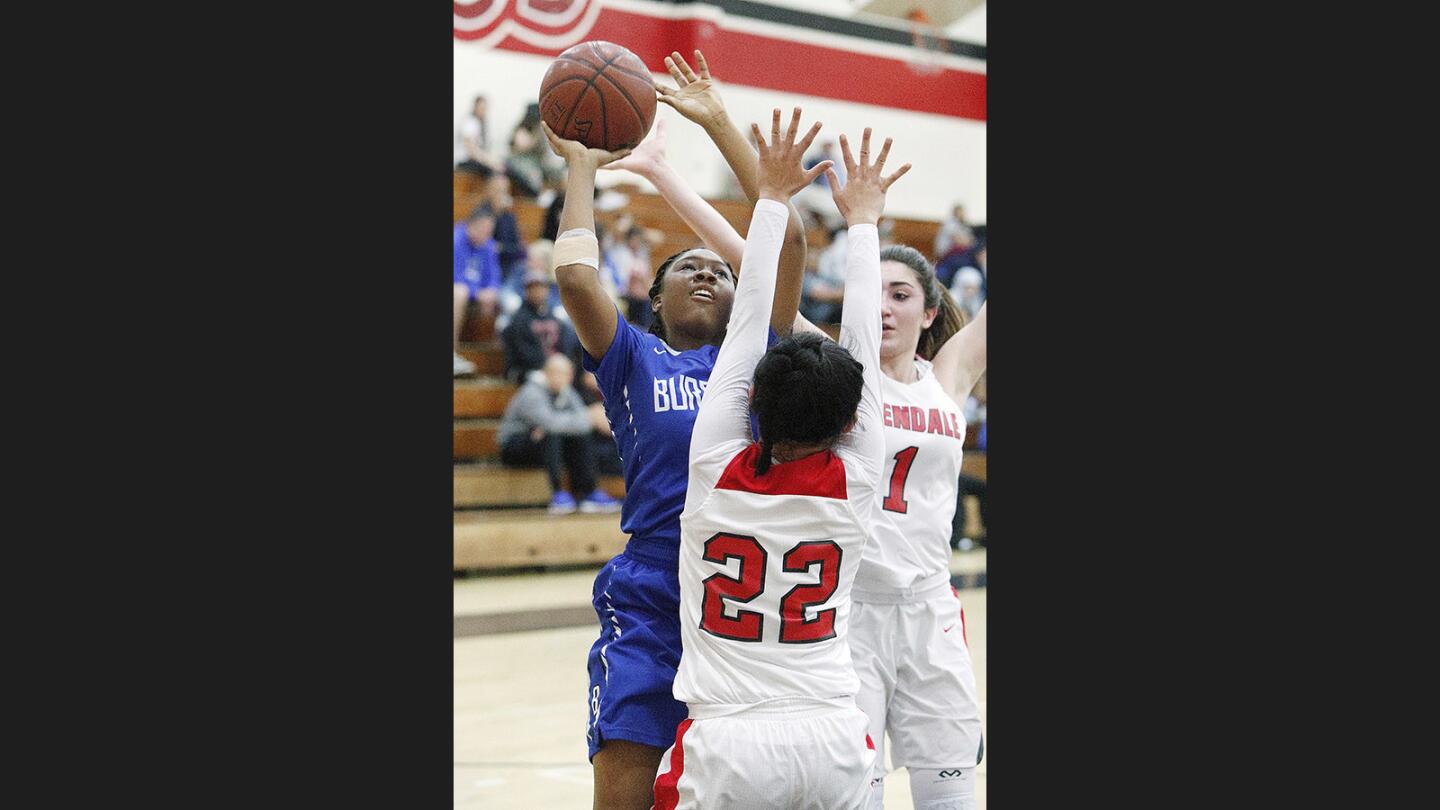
(600,94)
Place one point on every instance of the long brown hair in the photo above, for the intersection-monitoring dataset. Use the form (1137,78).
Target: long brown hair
(950,317)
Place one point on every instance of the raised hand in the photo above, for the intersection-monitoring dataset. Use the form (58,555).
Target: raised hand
(862,200)
(647,156)
(695,96)
(780,170)
(577,154)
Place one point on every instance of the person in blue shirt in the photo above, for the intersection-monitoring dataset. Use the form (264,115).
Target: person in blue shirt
(508,244)
(653,383)
(477,273)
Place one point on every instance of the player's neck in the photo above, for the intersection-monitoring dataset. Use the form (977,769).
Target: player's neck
(681,342)
(789,451)
(900,368)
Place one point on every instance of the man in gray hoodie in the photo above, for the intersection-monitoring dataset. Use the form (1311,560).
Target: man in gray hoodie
(547,424)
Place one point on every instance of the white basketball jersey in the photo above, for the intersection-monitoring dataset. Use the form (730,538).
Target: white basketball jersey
(764,603)
(767,562)
(924,440)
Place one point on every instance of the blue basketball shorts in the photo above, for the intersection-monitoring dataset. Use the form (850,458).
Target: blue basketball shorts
(632,665)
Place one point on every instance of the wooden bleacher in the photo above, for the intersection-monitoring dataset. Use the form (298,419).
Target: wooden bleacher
(499,520)
(651,211)
(506,540)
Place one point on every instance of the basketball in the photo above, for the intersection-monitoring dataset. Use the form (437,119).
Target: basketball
(600,94)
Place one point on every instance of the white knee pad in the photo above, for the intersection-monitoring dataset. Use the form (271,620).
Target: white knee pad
(943,788)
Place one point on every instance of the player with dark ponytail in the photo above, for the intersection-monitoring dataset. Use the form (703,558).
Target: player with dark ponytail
(772,530)
(806,391)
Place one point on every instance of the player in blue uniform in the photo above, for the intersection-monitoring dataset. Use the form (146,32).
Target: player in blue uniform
(653,384)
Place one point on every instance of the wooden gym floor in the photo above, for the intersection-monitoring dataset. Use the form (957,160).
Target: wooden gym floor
(520,712)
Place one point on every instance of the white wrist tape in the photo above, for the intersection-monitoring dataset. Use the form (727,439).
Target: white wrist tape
(576,246)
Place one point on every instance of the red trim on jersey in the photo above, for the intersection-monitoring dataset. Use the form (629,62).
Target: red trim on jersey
(821,475)
(667,795)
(869,743)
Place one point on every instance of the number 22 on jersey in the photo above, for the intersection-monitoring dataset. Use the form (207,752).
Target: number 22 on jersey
(748,625)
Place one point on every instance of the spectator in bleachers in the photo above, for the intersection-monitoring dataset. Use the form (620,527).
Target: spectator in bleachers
(537,260)
(525,339)
(979,264)
(472,145)
(955,234)
(966,291)
(626,248)
(547,424)
(952,244)
(969,484)
(551,228)
(825,151)
(534,332)
(615,247)
(610,268)
(641,276)
(959,537)
(532,164)
(824,289)
(508,242)
(477,273)
(814,201)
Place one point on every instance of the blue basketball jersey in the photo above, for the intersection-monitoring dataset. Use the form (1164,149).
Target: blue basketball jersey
(652,393)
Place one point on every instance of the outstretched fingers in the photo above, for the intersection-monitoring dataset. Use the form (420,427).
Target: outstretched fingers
(759,140)
(775,128)
(554,139)
(845,154)
(823,167)
(880,161)
(794,127)
(684,67)
(617,155)
(885,184)
(700,62)
(865,149)
(804,145)
(674,70)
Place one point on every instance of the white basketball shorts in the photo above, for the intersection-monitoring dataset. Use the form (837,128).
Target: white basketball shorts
(916,682)
(798,758)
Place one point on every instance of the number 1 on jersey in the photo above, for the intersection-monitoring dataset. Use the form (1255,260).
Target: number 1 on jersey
(895,501)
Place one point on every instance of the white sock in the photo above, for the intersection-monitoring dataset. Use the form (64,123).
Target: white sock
(943,788)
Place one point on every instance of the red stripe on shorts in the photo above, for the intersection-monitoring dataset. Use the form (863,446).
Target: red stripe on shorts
(869,743)
(667,795)
(962,617)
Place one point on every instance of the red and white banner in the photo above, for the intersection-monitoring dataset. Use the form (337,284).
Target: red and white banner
(756,53)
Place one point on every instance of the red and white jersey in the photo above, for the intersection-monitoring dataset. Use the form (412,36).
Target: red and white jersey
(909,552)
(767,562)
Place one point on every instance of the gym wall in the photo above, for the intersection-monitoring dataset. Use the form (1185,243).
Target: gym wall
(845,73)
